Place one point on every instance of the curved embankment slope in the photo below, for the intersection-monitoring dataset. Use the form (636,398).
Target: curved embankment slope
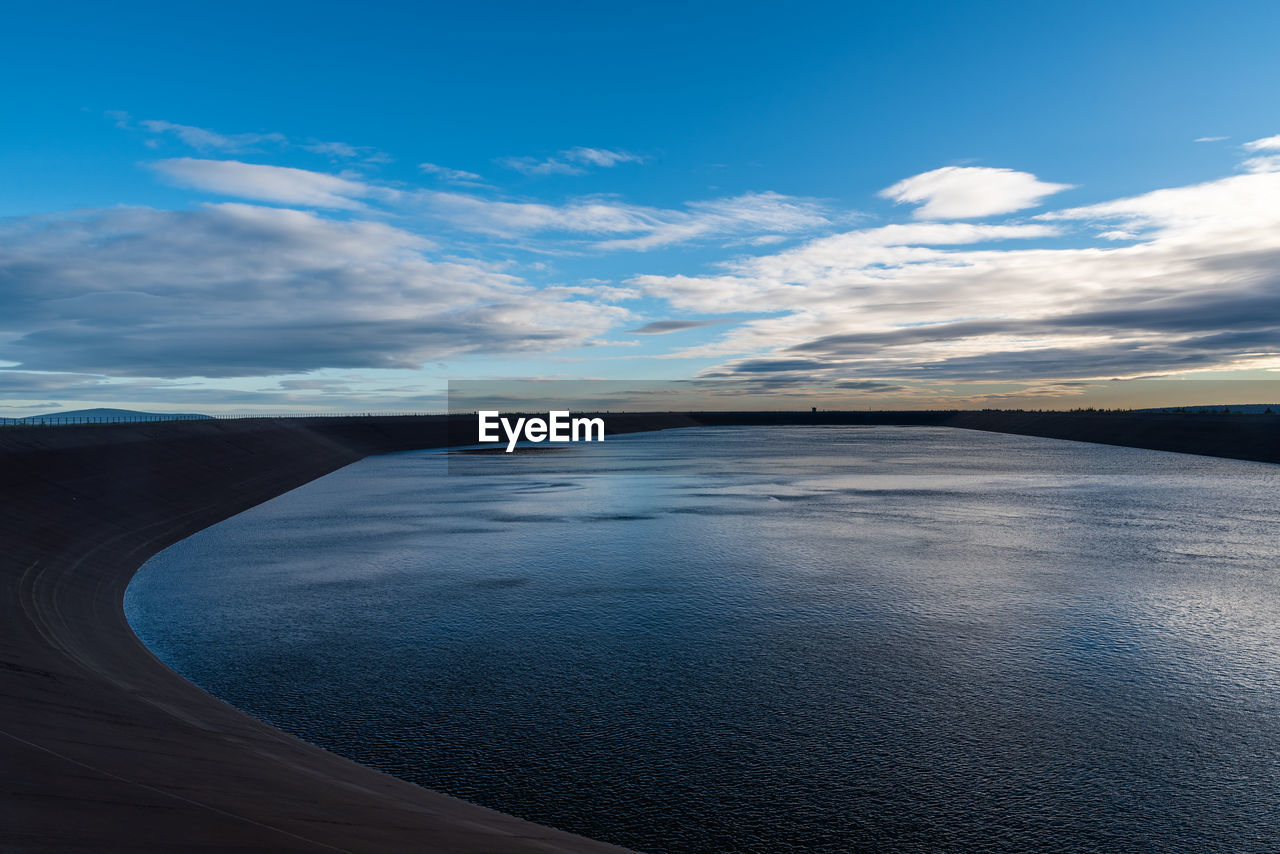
(104,749)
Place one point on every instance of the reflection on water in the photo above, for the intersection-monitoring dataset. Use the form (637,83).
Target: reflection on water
(771,639)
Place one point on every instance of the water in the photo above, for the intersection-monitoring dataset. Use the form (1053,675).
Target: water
(771,639)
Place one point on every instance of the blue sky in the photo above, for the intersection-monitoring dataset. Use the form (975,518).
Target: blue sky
(290,206)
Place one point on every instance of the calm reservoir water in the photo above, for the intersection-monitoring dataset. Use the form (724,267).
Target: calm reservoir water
(771,639)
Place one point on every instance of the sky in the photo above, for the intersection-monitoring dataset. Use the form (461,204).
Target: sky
(293,207)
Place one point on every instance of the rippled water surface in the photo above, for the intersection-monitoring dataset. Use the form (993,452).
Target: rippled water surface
(771,639)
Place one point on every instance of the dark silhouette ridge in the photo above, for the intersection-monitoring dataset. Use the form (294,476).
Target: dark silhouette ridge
(105,749)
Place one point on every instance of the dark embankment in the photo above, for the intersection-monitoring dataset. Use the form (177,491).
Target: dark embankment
(104,749)
(1241,437)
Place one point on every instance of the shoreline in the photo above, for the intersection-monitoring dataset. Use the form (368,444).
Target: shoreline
(109,750)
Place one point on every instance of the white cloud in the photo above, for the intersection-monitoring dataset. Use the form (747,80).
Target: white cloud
(1209,139)
(1198,289)
(1270,143)
(1214,209)
(1266,162)
(828,270)
(278,184)
(964,192)
(1269,163)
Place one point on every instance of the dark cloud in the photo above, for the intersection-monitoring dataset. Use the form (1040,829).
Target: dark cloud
(870,386)
(1110,359)
(659,327)
(238,290)
(1252,308)
(1228,324)
(768,366)
(866,343)
(25,384)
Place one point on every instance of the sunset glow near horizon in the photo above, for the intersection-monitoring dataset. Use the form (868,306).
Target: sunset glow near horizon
(282,207)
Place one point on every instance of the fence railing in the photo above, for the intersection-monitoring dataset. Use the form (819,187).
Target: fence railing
(71,420)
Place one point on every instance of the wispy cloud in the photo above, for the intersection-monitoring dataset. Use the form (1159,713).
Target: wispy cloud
(205,140)
(633,227)
(572,161)
(453,176)
(599,223)
(1269,163)
(333,149)
(346,151)
(748,214)
(965,192)
(510,218)
(279,184)
(534,166)
(601,157)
